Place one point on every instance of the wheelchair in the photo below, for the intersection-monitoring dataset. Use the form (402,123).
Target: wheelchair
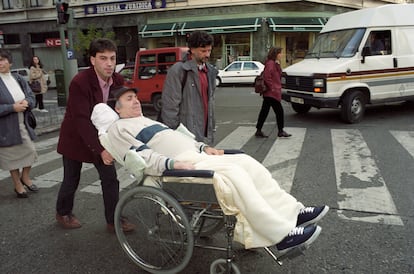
(171,216)
(172,213)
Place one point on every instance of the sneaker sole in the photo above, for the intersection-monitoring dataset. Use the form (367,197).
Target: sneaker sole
(317,219)
(300,247)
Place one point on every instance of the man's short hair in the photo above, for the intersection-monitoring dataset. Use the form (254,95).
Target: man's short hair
(200,38)
(4,53)
(101,45)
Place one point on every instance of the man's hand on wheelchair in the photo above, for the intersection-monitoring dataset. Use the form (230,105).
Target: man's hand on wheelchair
(107,158)
(213,151)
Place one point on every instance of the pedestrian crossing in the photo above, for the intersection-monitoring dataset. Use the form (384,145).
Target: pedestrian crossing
(359,183)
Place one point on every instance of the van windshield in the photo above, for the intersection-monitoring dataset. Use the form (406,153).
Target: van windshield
(336,44)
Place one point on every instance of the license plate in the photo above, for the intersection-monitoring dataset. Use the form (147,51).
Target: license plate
(297,100)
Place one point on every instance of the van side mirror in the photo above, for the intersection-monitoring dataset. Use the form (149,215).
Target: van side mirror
(366,51)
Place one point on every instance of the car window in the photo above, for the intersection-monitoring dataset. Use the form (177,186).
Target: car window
(379,43)
(22,72)
(147,72)
(234,67)
(250,66)
(127,73)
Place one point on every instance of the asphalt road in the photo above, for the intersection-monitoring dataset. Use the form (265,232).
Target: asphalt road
(362,171)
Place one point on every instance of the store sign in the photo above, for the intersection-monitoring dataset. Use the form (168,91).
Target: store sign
(55,42)
(124,6)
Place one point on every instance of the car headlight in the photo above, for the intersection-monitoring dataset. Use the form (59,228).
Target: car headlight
(318,83)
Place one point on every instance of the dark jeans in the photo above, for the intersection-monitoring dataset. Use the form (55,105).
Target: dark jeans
(71,178)
(277,108)
(39,100)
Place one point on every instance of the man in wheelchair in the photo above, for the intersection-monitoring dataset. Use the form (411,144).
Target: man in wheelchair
(266,214)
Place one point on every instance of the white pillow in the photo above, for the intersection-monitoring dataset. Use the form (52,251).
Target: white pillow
(103,116)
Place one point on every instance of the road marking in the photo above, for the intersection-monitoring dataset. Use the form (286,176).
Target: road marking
(283,156)
(55,176)
(124,177)
(47,144)
(237,139)
(406,139)
(42,158)
(361,188)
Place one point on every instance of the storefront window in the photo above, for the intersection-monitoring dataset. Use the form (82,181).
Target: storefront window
(236,47)
(297,45)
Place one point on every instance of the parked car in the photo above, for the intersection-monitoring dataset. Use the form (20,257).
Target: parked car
(127,71)
(25,72)
(240,72)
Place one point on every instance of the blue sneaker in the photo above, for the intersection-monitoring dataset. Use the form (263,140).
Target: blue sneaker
(311,215)
(300,237)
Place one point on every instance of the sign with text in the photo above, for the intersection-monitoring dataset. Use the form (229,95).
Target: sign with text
(70,54)
(124,6)
(55,42)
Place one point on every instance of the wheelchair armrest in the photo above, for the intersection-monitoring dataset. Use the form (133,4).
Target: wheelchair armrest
(198,173)
(233,151)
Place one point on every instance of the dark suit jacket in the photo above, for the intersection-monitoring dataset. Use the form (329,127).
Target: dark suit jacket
(78,138)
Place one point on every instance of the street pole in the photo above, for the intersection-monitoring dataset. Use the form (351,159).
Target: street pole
(70,64)
(64,59)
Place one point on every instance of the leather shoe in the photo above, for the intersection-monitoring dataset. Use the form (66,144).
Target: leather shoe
(283,134)
(68,221)
(21,194)
(260,134)
(125,224)
(32,187)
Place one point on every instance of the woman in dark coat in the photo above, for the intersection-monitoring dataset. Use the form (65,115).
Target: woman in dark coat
(17,150)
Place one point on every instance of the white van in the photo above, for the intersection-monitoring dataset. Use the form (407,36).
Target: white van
(360,57)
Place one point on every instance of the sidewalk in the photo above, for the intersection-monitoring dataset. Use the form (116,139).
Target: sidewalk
(49,121)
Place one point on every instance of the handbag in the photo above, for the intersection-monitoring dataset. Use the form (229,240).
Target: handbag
(31,119)
(35,86)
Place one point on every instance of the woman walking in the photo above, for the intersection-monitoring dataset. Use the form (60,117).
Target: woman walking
(273,96)
(37,74)
(17,150)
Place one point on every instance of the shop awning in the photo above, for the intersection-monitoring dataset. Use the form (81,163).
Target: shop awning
(222,26)
(158,30)
(297,24)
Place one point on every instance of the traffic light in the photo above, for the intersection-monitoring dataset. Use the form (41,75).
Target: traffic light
(62,12)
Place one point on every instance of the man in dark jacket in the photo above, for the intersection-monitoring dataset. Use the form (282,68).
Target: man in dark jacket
(78,140)
(188,92)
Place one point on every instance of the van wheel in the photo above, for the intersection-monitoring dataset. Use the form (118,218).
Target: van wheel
(301,109)
(218,81)
(156,102)
(353,107)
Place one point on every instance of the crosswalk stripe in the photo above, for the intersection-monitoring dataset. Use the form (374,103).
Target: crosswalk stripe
(46,144)
(406,139)
(283,157)
(54,177)
(124,177)
(237,139)
(43,158)
(361,187)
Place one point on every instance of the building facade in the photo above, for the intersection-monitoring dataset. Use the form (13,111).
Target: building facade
(242,30)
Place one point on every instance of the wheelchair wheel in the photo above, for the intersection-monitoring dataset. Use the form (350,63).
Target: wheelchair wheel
(219,266)
(162,241)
